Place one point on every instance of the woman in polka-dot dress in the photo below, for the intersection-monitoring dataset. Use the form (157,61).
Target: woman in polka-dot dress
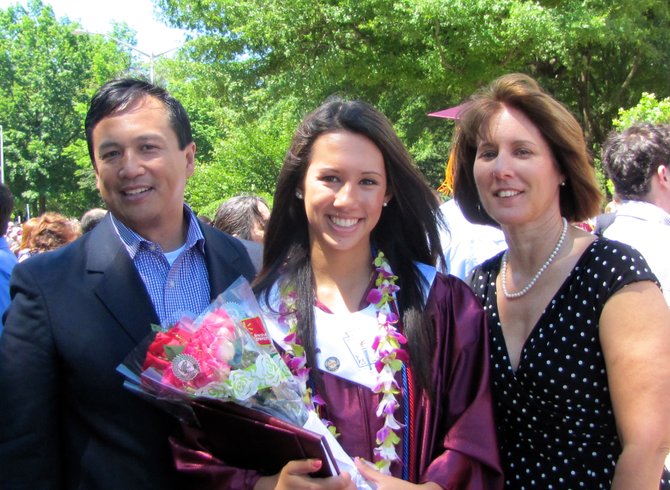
(579,330)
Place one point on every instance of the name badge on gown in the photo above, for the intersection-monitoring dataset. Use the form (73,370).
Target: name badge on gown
(344,341)
(345,344)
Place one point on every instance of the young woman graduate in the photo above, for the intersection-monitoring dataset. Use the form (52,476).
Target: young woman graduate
(394,352)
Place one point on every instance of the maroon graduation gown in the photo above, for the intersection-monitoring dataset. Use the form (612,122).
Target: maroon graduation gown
(455,441)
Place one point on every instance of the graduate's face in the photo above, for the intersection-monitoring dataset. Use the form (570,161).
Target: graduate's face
(344,191)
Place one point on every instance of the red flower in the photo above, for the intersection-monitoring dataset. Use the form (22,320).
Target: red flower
(161,351)
(211,346)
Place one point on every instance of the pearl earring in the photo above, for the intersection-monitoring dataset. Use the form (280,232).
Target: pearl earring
(298,194)
(385,204)
(563,184)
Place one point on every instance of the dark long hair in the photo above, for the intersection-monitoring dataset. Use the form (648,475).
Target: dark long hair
(406,232)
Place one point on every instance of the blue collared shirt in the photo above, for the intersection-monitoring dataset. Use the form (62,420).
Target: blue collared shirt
(7,263)
(178,289)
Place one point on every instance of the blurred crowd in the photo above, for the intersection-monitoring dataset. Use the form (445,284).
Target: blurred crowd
(46,232)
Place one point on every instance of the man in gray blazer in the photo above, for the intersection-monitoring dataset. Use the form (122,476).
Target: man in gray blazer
(76,313)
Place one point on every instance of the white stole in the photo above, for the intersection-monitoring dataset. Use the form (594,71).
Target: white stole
(344,340)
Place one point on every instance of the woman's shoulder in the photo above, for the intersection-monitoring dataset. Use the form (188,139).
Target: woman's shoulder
(608,265)
(485,272)
(491,264)
(434,279)
(614,256)
(457,314)
(609,246)
(450,281)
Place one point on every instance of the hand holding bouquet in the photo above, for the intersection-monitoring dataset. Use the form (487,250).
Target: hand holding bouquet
(196,368)
(223,354)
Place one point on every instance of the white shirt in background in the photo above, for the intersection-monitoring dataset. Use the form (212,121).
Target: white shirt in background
(465,244)
(645,227)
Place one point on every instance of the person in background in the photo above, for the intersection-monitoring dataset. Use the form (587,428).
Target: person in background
(26,236)
(91,218)
(13,236)
(205,220)
(637,161)
(350,212)
(578,325)
(77,312)
(464,244)
(243,217)
(7,257)
(49,232)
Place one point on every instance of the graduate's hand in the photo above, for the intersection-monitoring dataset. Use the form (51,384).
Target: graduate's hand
(386,482)
(295,475)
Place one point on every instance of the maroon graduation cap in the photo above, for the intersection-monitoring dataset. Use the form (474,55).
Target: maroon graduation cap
(450,113)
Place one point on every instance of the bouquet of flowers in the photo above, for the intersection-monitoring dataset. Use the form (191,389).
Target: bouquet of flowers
(223,354)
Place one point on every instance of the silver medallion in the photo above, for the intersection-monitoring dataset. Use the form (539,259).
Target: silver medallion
(332,364)
(185,367)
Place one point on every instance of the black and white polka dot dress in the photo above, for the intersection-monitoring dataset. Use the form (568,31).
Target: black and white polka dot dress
(554,416)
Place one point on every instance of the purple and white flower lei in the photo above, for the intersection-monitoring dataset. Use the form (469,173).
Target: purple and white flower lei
(387,345)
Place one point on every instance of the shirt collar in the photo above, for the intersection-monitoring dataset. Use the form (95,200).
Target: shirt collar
(133,241)
(643,210)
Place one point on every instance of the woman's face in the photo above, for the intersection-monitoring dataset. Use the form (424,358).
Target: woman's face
(515,171)
(344,190)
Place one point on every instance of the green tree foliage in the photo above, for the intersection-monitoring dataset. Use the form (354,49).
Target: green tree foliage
(47,76)
(410,57)
(246,161)
(648,109)
(256,67)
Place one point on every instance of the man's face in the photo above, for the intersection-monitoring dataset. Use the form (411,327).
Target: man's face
(140,170)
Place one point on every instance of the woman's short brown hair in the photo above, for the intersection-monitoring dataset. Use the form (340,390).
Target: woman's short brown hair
(580,198)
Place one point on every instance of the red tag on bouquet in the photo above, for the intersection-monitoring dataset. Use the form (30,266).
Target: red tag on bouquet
(254,326)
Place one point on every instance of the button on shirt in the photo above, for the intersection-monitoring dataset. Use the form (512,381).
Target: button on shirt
(177,289)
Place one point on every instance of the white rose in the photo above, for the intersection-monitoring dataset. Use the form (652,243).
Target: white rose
(243,384)
(267,370)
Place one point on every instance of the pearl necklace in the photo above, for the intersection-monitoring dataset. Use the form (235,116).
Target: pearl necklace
(537,275)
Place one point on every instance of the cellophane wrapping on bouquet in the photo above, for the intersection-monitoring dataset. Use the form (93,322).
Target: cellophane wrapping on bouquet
(224,354)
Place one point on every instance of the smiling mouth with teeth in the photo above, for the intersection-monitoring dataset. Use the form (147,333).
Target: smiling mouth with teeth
(344,222)
(136,192)
(508,193)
